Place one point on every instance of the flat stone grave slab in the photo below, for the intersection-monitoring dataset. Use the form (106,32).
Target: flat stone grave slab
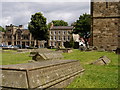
(46,56)
(44,74)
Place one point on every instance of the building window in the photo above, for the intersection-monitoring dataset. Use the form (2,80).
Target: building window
(9,37)
(9,30)
(63,32)
(68,38)
(68,32)
(55,43)
(64,37)
(51,37)
(54,37)
(59,38)
(15,37)
(14,43)
(54,32)
(59,32)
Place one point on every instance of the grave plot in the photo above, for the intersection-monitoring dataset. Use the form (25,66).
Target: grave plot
(46,56)
(46,74)
(102,61)
(65,50)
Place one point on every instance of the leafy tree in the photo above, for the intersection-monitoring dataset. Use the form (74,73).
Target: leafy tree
(83,25)
(38,27)
(2,29)
(58,23)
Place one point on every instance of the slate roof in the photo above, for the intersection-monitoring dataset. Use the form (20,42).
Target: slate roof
(61,28)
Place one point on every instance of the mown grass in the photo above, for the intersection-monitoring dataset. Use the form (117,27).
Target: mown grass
(14,58)
(105,76)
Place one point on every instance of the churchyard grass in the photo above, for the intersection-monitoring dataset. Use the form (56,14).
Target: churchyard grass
(14,58)
(104,76)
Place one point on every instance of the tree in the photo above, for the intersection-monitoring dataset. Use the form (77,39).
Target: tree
(71,42)
(2,29)
(83,27)
(38,27)
(58,23)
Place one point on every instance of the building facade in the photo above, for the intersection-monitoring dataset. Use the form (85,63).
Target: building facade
(58,35)
(0,37)
(17,35)
(106,24)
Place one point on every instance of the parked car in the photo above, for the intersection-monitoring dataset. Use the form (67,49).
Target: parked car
(3,45)
(10,46)
(19,46)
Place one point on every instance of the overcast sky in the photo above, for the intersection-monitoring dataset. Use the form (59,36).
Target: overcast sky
(19,13)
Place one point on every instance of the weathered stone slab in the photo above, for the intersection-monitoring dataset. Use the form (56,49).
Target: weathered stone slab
(46,56)
(39,74)
(102,61)
(65,50)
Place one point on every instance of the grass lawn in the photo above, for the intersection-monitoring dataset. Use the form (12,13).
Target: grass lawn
(93,77)
(14,58)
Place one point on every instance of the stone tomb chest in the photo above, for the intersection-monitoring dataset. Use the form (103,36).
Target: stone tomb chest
(46,56)
(44,74)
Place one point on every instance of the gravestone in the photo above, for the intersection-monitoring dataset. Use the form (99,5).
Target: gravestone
(65,50)
(102,61)
(46,74)
(46,56)
(95,48)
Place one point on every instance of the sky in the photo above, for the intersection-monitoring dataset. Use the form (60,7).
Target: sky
(19,13)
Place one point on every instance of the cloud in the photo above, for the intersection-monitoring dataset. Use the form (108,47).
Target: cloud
(20,12)
(45,0)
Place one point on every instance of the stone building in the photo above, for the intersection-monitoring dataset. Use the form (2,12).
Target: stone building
(59,34)
(106,24)
(17,35)
(0,37)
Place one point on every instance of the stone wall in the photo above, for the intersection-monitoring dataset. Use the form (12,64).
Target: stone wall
(105,24)
(105,33)
(106,9)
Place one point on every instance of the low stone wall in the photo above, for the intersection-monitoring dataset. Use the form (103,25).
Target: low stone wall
(46,74)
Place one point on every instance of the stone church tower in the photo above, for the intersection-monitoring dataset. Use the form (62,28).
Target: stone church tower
(106,24)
